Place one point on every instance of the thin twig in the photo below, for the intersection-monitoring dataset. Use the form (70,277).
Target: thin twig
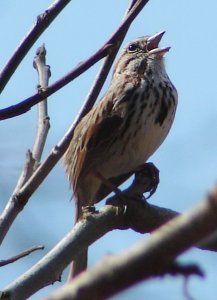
(111,43)
(44,74)
(26,172)
(42,22)
(33,158)
(20,255)
(186,291)
(106,66)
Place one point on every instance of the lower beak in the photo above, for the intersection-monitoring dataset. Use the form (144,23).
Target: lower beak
(160,51)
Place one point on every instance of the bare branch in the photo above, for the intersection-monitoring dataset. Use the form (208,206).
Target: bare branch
(141,262)
(15,204)
(50,267)
(145,260)
(26,172)
(43,118)
(105,68)
(20,255)
(110,44)
(33,158)
(42,22)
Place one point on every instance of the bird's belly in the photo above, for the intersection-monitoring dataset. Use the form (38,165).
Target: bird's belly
(134,151)
(141,134)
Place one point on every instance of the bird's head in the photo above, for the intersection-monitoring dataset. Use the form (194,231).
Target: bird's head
(140,53)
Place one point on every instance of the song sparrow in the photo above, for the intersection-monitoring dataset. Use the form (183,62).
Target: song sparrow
(124,128)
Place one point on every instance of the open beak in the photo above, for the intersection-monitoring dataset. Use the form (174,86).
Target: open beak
(153,44)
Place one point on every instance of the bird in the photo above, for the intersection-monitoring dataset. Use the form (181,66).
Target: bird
(122,130)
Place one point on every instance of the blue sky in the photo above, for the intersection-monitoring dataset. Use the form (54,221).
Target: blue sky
(187,160)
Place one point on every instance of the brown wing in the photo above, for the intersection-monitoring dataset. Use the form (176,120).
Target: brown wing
(94,133)
(90,135)
(96,137)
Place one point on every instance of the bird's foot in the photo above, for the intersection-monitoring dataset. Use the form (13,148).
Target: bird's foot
(148,175)
(146,180)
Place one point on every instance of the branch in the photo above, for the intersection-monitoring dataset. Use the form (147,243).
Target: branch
(176,268)
(20,255)
(105,68)
(145,260)
(112,42)
(44,74)
(42,22)
(50,267)
(14,206)
(33,158)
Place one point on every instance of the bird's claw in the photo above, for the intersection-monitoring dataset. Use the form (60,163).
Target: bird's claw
(90,209)
(148,172)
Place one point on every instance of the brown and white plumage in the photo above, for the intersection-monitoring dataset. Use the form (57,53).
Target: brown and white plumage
(125,128)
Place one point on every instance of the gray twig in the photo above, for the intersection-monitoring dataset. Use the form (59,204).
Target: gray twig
(109,46)
(42,22)
(20,255)
(44,74)
(33,158)
(106,66)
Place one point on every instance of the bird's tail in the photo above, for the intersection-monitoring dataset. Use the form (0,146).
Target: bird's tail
(79,264)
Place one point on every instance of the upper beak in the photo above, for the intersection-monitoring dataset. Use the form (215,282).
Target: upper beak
(153,42)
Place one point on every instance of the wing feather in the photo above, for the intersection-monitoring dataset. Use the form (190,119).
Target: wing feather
(95,132)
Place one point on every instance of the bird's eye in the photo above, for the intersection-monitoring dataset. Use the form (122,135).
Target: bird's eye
(133,47)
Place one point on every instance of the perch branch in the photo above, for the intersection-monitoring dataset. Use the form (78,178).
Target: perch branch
(147,258)
(50,267)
